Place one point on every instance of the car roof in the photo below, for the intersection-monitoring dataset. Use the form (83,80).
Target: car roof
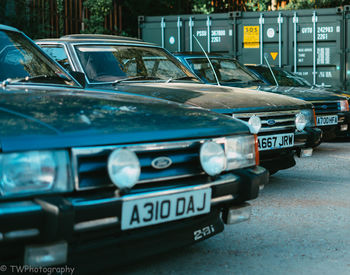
(197,53)
(84,38)
(8,28)
(200,54)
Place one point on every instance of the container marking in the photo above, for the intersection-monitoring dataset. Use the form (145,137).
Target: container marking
(274,55)
(251,38)
(270,33)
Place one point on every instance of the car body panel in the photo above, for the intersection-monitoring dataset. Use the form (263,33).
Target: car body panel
(57,191)
(67,118)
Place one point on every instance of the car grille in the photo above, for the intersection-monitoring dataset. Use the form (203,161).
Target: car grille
(273,121)
(90,164)
(326,107)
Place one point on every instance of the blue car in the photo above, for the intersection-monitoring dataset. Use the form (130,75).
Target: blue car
(89,176)
(332,110)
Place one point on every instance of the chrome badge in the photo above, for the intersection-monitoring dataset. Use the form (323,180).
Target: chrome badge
(161,162)
(324,107)
(271,122)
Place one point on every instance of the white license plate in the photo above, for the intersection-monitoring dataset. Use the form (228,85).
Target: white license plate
(276,141)
(327,120)
(164,208)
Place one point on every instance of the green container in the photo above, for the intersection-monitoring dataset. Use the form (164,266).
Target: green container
(346,72)
(312,43)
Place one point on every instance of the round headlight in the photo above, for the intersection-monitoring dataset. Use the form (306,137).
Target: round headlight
(212,158)
(255,124)
(124,168)
(300,121)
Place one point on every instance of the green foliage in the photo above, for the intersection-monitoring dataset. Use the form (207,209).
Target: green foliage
(257,5)
(263,5)
(134,8)
(35,23)
(202,6)
(60,10)
(313,4)
(98,9)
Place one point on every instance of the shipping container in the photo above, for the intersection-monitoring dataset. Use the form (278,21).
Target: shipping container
(312,43)
(347,46)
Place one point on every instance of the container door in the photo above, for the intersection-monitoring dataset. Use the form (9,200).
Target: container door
(347,48)
(316,46)
(263,36)
(164,31)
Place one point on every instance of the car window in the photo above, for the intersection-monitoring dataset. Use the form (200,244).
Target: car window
(284,78)
(113,62)
(58,53)
(227,70)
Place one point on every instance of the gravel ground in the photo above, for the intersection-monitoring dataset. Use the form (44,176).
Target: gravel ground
(300,225)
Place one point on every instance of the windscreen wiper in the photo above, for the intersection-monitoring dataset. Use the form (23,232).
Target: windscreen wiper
(181,78)
(255,81)
(233,80)
(140,77)
(37,79)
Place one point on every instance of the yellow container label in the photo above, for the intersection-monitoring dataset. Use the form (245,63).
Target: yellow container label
(251,37)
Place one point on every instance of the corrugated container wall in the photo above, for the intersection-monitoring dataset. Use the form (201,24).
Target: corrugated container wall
(312,43)
(347,46)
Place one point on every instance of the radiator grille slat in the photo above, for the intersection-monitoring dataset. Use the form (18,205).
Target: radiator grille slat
(273,121)
(326,107)
(91,165)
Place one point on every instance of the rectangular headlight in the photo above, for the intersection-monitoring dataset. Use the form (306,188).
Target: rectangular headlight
(310,117)
(34,172)
(344,105)
(241,151)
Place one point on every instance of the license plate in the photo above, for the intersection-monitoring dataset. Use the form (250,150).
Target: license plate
(327,120)
(164,208)
(275,141)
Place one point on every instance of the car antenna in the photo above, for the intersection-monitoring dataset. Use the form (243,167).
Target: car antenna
(211,65)
(268,64)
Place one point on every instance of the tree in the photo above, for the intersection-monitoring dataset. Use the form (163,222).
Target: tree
(98,10)
(314,4)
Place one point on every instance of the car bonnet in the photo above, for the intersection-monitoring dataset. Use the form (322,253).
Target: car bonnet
(39,119)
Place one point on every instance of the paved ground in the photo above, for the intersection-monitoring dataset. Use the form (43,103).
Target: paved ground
(300,225)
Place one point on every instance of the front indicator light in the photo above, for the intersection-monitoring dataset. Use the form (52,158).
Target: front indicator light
(237,214)
(306,152)
(257,156)
(212,158)
(344,127)
(315,120)
(46,255)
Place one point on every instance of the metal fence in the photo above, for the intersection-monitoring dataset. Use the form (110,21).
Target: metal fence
(54,18)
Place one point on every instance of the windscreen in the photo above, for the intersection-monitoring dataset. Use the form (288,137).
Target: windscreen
(227,70)
(20,60)
(108,63)
(284,78)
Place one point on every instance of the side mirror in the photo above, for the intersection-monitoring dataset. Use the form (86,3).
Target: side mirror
(79,77)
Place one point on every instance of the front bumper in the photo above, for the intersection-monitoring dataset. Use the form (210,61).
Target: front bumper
(309,137)
(80,221)
(339,130)
(343,129)
(279,159)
